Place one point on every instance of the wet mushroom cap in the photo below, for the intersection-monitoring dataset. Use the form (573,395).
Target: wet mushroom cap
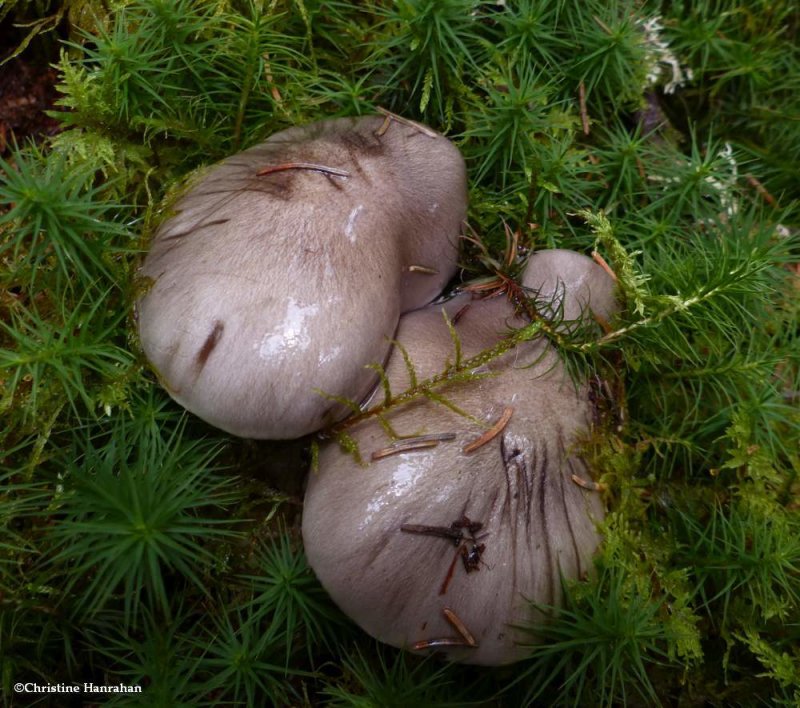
(570,284)
(284,270)
(362,526)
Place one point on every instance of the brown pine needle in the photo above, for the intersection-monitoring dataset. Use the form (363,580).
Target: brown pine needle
(407,446)
(590,485)
(762,190)
(450,571)
(459,626)
(461,313)
(420,442)
(302,166)
(490,434)
(276,95)
(405,121)
(597,258)
(387,121)
(442,642)
(422,269)
(439,437)
(582,102)
(603,322)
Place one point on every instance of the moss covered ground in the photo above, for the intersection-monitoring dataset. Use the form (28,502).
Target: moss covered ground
(141,547)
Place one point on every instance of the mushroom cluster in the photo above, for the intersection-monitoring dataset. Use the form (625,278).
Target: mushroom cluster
(285,269)
(275,289)
(446,538)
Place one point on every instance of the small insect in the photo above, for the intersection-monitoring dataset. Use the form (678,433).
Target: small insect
(472,557)
(467,547)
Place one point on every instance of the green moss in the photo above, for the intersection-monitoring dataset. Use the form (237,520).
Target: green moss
(670,147)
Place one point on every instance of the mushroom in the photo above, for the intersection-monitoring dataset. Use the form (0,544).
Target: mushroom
(284,270)
(446,538)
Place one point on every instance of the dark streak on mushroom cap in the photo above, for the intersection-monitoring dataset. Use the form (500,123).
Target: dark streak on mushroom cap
(538,525)
(268,288)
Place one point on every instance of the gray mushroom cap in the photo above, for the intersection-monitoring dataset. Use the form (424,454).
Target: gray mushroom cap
(265,290)
(537,524)
(573,285)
